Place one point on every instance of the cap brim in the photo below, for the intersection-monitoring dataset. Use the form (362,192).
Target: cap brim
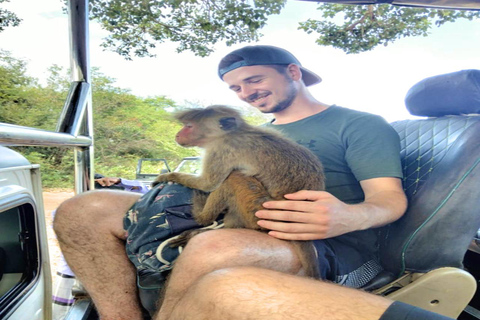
(309,78)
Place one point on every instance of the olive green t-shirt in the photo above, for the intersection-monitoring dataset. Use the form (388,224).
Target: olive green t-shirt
(352,146)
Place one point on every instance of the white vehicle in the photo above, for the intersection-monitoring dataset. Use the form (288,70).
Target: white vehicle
(189,165)
(423,253)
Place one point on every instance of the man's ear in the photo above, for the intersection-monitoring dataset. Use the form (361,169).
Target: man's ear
(228,123)
(294,72)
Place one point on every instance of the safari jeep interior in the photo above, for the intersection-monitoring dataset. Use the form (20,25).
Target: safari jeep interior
(423,253)
(424,250)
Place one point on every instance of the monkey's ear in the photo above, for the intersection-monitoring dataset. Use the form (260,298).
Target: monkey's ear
(227,124)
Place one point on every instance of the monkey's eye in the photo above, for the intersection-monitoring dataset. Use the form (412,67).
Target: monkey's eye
(188,125)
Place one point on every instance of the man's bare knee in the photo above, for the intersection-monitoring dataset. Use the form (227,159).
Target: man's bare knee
(93,211)
(222,245)
(240,247)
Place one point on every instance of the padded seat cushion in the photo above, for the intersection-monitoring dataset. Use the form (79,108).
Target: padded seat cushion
(454,93)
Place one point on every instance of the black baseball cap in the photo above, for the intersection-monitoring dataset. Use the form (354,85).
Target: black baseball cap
(263,55)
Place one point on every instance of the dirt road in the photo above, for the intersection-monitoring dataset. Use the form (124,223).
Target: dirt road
(51,200)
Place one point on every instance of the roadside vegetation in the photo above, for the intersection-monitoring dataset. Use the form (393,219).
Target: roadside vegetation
(126,127)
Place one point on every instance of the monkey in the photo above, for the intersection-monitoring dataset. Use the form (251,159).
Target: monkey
(243,167)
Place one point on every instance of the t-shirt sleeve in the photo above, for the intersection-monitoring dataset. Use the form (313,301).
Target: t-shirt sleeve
(372,148)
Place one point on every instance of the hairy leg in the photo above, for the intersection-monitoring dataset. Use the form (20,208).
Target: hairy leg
(225,248)
(90,231)
(253,293)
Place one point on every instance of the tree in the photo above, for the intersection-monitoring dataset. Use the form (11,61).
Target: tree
(137,25)
(365,27)
(8,18)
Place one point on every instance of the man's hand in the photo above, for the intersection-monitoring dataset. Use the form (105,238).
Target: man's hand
(107,182)
(306,215)
(311,215)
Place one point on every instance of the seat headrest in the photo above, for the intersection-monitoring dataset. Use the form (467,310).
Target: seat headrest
(447,94)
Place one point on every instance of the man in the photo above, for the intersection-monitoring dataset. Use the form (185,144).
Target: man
(360,153)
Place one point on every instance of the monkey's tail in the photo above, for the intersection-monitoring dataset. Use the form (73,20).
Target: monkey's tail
(308,258)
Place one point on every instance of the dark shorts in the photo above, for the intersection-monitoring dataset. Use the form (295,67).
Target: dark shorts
(403,311)
(165,212)
(345,264)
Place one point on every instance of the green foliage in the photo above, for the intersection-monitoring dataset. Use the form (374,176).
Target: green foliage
(357,29)
(136,26)
(154,167)
(19,92)
(57,171)
(8,18)
(126,127)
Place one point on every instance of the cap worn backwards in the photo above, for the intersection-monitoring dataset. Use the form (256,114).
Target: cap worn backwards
(263,55)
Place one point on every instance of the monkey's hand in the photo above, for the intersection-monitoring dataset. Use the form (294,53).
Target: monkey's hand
(188,180)
(165,177)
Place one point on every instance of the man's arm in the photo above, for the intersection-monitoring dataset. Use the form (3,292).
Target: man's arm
(310,215)
(128,185)
(132,185)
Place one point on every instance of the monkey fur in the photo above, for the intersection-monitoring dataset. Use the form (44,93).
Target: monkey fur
(243,167)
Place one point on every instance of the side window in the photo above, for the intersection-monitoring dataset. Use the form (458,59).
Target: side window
(19,256)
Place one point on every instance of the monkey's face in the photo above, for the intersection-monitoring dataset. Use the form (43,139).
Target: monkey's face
(263,87)
(190,135)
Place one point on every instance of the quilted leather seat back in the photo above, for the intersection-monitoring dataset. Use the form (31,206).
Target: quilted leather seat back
(441,165)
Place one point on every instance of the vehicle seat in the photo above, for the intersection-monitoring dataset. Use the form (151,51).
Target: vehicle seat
(440,154)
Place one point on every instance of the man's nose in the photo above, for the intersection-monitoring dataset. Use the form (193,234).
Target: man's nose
(245,92)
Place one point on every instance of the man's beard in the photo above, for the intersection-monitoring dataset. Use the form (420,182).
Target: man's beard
(292,92)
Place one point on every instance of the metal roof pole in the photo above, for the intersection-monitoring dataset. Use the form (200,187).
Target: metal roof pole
(77,116)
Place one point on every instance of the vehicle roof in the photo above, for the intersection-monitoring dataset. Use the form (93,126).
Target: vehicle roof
(11,158)
(438,4)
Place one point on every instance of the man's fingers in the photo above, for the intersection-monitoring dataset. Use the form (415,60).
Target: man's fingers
(100,182)
(295,236)
(307,195)
(291,216)
(291,227)
(299,206)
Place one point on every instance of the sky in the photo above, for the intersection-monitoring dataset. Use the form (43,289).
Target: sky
(375,81)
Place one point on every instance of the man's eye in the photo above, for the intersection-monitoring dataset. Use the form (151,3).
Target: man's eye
(256,80)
